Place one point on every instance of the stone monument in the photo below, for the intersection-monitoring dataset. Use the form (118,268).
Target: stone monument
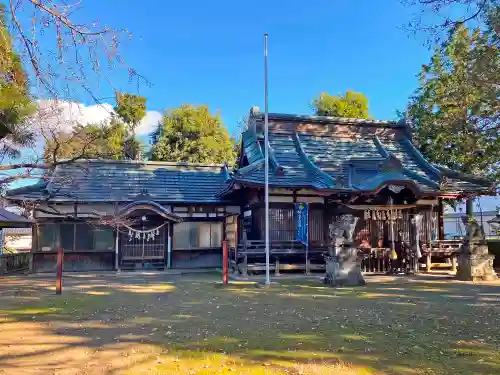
(343,266)
(475,264)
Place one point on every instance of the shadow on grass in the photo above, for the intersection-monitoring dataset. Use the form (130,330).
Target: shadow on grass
(188,325)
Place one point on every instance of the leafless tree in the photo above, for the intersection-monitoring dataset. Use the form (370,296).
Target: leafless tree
(435,18)
(67,58)
(79,52)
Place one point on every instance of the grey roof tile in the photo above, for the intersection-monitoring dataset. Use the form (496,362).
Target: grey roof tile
(123,181)
(308,157)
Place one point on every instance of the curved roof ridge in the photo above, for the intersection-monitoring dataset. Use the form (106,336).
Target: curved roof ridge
(151,205)
(467,177)
(272,159)
(329,180)
(328,119)
(383,179)
(250,167)
(389,155)
(421,157)
(250,135)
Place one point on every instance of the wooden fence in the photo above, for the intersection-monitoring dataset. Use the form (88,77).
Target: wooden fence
(12,263)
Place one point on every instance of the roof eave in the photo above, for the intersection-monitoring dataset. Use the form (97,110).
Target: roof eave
(327,120)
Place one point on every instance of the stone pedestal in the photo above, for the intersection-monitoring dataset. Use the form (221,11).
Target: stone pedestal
(475,264)
(344,269)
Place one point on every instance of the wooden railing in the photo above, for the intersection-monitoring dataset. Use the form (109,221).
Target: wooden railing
(375,260)
(12,263)
(284,255)
(292,255)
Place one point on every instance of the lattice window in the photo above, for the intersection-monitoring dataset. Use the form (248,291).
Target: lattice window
(197,235)
(84,236)
(47,236)
(67,233)
(104,238)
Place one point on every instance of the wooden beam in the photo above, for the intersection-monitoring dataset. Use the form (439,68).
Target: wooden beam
(325,221)
(440,219)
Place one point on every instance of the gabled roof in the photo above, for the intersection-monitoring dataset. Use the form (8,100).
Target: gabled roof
(343,155)
(128,181)
(149,205)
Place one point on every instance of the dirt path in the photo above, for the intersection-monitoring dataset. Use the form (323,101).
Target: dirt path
(165,324)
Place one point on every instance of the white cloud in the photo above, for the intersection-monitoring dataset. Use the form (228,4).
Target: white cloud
(64,115)
(149,123)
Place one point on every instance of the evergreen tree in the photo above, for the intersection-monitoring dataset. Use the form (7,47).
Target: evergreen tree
(15,101)
(192,134)
(455,112)
(131,109)
(351,104)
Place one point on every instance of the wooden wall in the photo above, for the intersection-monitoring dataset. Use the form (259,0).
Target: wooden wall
(282,223)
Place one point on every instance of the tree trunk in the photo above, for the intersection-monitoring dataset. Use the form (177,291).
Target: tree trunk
(469,207)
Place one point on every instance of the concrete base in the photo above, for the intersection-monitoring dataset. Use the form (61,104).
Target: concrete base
(475,264)
(344,269)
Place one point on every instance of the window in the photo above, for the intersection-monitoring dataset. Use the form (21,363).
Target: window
(282,224)
(47,236)
(67,233)
(104,238)
(196,235)
(84,237)
(75,237)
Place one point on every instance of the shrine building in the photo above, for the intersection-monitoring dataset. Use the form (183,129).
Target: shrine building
(109,214)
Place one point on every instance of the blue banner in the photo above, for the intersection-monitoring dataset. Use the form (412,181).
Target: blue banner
(302,222)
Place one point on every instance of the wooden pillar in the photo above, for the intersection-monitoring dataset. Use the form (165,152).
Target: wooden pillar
(325,221)
(60,260)
(169,244)
(34,245)
(277,268)
(440,219)
(117,249)
(454,263)
(225,262)
(428,263)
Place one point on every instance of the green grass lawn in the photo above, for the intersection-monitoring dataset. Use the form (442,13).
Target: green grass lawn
(188,325)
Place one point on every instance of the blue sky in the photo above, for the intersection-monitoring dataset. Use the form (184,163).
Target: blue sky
(212,52)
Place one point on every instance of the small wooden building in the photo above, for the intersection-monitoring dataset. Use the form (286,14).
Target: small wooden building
(109,214)
(136,214)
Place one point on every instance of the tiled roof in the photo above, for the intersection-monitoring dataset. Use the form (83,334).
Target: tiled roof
(344,155)
(11,220)
(126,181)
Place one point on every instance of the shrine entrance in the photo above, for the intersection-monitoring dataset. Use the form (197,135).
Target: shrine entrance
(145,236)
(144,246)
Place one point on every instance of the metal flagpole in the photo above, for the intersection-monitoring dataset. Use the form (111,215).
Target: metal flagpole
(266,160)
(393,243)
